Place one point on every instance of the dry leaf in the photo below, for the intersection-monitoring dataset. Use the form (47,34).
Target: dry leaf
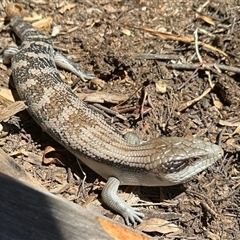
(110,9)
(161,86)
(217,104)
(158,225)
(206,19)
(216,101)
(51,156)
(60,188)
(229,123)
(67,7)
(89,200)
(230,141)
(35,17)
(13,9)
(101,97)
(34,159)
(43,24)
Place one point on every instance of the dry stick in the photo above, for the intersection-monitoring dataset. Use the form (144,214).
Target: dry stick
(97,109)
(209,209)
(150,56)
(196,45)
(109,111)
(189,66)
(121,103)
(191,77)
(200,57)
(81,186)
(189,103)
(174,37)
(145,94)
(201,7)
(219,141)
(203,118)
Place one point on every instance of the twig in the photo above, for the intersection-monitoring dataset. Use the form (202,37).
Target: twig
(190,78)
(209,66)
(81,186)
(150,56)
(196,45)
(109,111)
(191,102)
(209,209)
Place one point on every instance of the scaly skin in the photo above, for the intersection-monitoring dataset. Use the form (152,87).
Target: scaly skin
(67,119)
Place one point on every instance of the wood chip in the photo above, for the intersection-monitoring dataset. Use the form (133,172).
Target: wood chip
(11,110)
(158,225)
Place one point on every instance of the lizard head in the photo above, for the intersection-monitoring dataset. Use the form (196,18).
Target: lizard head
(182,158)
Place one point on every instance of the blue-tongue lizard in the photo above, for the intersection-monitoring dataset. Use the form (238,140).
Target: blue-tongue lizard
(162,161)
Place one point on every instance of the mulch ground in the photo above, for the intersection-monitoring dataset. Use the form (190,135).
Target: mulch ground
(155,78)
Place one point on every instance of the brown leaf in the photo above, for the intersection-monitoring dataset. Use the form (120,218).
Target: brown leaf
(43,24)
(217,104)
(51,156)
(101,97)
(206,19)
(67,7)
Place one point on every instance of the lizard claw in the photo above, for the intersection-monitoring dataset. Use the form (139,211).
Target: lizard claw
(132,215)
(110,198)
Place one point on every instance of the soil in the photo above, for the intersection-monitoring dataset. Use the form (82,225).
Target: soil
(148,94)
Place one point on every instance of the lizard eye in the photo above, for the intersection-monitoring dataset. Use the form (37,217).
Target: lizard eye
(175,166)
